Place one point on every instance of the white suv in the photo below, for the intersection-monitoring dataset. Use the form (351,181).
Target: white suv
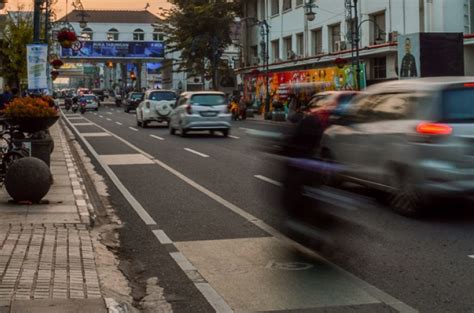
(155,107)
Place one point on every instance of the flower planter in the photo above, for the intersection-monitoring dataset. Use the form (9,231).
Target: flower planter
(66,44)
(33,124)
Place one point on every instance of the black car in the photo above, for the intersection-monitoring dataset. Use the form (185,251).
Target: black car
(133,100)
(99,93)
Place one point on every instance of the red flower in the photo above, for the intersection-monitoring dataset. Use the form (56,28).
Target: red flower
(66,35)
(57,63)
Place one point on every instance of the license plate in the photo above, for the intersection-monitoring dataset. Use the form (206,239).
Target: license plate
(208,114)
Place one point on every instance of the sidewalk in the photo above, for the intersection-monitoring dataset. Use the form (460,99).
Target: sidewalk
(46,253)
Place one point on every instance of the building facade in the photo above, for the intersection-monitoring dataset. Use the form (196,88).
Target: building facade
(295,42)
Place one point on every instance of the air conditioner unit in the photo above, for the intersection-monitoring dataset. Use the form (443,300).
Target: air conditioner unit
(291,55)
(343,46)
(393,36)
(337,46)
(255,60)
(277,60)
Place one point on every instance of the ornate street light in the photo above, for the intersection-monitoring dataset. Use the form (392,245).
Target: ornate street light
(308,7)
(3,3)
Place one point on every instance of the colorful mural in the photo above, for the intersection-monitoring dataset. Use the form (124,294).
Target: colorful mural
(303,82)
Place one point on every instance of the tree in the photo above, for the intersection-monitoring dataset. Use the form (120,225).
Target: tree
(16,34)
(200,31)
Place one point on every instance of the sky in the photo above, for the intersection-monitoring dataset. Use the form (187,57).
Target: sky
(97,5)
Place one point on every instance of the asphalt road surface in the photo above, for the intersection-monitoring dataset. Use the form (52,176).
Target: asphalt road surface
(203,214)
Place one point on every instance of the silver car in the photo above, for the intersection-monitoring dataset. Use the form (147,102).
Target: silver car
(413,139)
(203,110)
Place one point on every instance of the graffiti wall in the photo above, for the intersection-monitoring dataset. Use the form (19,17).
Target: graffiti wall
(329,78)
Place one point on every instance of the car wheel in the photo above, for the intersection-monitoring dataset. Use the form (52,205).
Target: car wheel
(126,110)
(138,122)
(212,132)
(225,132)
(172,130)
(403,198)
(97,109)
(183,132)
(144,124)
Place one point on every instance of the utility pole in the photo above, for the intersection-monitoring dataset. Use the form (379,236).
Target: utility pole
(36,20)
(265,42)
(357,40)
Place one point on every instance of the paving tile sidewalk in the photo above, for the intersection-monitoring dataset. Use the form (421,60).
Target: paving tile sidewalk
(46,253)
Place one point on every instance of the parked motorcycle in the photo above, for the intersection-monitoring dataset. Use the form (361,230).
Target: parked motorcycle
(67,104)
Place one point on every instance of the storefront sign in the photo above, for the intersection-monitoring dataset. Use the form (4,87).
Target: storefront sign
(37,58)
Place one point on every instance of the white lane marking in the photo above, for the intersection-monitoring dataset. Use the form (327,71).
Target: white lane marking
(162,237)
(109,113)
(108,119)
(157,137)
(123,190)
(268,180)
(101,116)
(95,113)
(196,152)
(234,137)
(134,129)
(370,289)
(471,256)
(214,299)
(182,262)
(96,134)
(83,124)
(118,123)
(262,133)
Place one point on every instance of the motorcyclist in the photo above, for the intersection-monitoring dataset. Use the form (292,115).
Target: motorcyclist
(234,109)
(82,104)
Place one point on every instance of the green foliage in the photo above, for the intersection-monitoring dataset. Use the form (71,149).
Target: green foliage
(200,30)
(16,34)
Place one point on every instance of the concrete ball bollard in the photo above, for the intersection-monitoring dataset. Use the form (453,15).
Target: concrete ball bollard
(28,179)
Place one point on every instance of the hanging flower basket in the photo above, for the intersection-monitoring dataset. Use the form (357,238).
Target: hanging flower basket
(340,62)
(57,63)
(54,74)
(31,114)
(66,38)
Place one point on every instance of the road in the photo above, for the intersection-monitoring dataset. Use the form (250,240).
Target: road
(203,213)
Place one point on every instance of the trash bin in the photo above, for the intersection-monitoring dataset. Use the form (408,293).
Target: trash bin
(39,148)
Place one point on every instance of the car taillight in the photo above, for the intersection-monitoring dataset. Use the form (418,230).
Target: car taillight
(189,110)
(433,129)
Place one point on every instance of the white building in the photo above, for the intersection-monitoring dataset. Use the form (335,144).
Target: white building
(297,43)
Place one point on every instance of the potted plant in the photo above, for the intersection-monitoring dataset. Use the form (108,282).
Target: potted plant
(31,114)
(66,38)
(57,63)
(54,75)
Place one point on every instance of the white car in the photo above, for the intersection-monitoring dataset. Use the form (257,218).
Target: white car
(156,107)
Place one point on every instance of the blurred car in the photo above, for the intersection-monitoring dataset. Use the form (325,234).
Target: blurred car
(327,103)
(132,100)
(412,139)
(92,103)
(82,91)
(203,110)
(99,93)
(155,107)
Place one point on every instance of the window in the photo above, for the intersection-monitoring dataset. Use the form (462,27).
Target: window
(262,13)
(317,41)
(138,34)
(377,28)
(300,44)
(275,7)
(207,100)
(158,37)
(162,95)
(299,2)
(379,68)
(286,5)
(350,30)
(275,50)
(334,37)
(387,106)
(87,34)
(287,46)
(112,34)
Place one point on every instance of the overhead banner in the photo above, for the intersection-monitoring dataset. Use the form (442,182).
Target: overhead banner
(116,50)
(37,58)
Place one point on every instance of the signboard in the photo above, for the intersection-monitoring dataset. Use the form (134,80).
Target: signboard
(116,50)
(409,56)
(37,58)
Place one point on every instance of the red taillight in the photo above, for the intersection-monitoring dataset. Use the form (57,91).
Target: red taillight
(433,129)
(469,85)
(189,110)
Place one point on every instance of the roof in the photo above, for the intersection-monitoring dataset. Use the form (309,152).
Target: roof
(427,83)
(112,16)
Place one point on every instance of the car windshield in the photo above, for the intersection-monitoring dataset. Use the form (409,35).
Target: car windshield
(89,98)
(136,96)
(458,105)
(162,95)
(208,100)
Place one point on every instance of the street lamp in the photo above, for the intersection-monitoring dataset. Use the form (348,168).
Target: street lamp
(82,21)
(3,3)
(308,7)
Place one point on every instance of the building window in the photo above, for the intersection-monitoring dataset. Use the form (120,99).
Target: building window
(158,37)
(300,44)
(379,68)
(299,3)
(317,41)
(288,48)
(87,34)
(112,34)
(262,10)
(286,5)
(138,34)
(350,31)
(276,50)
(335,38)
(275,7)
(377,28)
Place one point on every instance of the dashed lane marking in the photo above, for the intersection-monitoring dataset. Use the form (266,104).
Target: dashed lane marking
(157,137)
(268,180)
(162,237)
(108,119)
(196,152)
(118,123)
(134,129)
(234,137)
(101,116)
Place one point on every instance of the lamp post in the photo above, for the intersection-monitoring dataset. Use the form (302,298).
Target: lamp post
(36,20)
(308,8)
(264,43)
